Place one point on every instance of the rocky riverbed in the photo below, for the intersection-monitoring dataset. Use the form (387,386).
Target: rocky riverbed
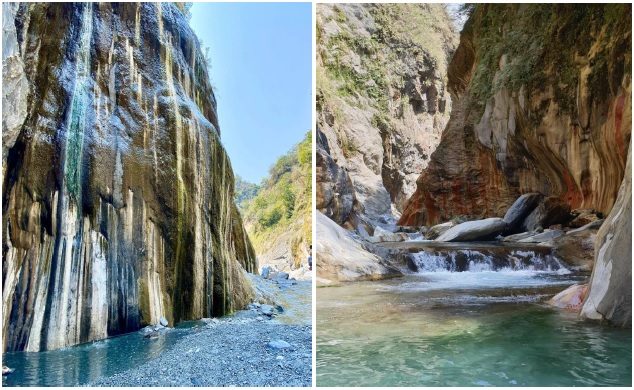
(266,345)
(229,352)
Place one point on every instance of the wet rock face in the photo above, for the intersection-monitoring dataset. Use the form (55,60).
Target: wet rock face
(553,117)
(117,194)
(382,103)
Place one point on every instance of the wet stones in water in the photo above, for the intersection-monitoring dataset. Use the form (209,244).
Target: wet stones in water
(545,236)
(163,321)
(6,370)
(279,344)
(265,272)
(282,275)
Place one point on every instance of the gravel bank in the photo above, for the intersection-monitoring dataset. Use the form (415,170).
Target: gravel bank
(228,352)
(246,349)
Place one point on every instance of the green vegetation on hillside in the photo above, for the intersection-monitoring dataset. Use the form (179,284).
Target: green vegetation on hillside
(531,35)
(284,202)
(244,192)
(411,31)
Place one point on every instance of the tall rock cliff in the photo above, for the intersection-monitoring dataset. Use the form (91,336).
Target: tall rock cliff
(542,103)
(117,192)
(382,103)
(609,296)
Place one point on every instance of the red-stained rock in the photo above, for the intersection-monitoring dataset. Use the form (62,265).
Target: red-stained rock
(524,140)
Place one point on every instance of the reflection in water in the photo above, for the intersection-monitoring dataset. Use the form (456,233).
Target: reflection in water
(85,363)
(463,329)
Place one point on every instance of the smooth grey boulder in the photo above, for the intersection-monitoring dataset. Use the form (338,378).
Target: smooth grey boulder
(265,272)
(609,294)
(279,344)
(474,230)
(545,236)
(435,231)
(342,258)
(520,209)
(282,275)
(163,321)
(385,235)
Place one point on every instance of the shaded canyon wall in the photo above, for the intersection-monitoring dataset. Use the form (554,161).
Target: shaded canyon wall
(117,192)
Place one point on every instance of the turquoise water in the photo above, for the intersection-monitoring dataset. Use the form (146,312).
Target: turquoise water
(464,329)
(85,363)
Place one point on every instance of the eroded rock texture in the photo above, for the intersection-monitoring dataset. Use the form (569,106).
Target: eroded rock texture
(542,103)
(382,103)
(117,192)
(609,295)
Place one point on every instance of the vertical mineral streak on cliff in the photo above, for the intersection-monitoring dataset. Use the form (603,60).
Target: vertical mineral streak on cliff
(137,25)
(79,103)
(99,242)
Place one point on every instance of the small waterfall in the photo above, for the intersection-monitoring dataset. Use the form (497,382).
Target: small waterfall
(485,259)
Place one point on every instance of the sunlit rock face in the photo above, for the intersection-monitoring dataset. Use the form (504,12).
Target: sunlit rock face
(542,103)
(117,191)
(382,102)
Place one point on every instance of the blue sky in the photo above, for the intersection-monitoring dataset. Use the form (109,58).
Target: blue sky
(261,60)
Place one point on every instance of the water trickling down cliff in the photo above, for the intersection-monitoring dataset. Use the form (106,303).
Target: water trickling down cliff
(117,191)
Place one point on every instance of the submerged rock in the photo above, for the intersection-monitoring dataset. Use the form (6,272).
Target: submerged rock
(485,229)
(6,370)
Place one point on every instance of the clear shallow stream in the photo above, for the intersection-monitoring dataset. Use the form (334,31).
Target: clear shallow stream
(478,327)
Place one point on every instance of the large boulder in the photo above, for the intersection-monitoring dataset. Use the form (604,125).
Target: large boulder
(610,289)
(571,298)
(383,235)
(576,247)
(522,207)
(583,217)
(553,210)
(435,231)
(340,258)
(474,230)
